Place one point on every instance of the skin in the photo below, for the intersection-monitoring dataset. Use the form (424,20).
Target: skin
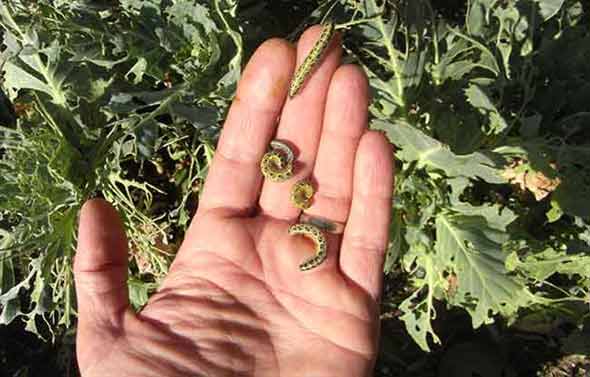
(235,302)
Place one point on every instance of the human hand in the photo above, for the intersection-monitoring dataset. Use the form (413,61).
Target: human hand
(235,302)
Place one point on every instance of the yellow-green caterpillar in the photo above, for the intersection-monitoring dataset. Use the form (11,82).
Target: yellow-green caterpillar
(317,236)
(302,194)
(277,164)
(312,59)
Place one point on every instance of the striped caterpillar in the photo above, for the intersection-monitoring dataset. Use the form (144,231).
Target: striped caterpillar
(277,164)
(321,246)
(312,59)
(302,194)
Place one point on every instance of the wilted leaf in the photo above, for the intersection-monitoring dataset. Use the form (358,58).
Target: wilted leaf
(534,181)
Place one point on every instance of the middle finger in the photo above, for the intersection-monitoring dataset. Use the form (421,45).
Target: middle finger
(301,124)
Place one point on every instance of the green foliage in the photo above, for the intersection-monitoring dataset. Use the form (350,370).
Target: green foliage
(488,111)
(487,175)
(122,101)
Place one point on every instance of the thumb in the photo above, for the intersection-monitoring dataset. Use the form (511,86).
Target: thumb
(100,267)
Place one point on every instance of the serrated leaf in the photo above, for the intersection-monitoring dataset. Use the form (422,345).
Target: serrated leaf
(496,216)
(139,292)
(50,71)
(480,101)
(137,71)
(540,266)
(65,61)
(432,154)
(513,29)
(487,59)
(455,62)
(9,300)
(457,70)
(412,69)
(473,251)
(7,278)
(144,6)
(18,78)
(199,116)
(418,309)
(188,14)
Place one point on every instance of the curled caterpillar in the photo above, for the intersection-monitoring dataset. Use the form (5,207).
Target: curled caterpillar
(302,194)
(312,59)
(277,164)
(284,149)
(317,236)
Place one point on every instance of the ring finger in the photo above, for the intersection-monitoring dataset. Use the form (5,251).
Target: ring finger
(345,122)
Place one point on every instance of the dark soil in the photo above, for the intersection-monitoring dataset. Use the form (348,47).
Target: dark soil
(22,354)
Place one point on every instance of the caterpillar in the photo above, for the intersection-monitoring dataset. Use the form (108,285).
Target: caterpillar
(322,223)
(321,246)
(277,164)
(302,194)
(312,59)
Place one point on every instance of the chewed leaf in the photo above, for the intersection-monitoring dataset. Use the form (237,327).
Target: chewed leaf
(418,309)
(542,265)
(9,300)
(18,78)
(473,251)
(480,101)
(431,154)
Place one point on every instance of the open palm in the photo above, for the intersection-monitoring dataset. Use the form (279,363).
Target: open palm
(235,302)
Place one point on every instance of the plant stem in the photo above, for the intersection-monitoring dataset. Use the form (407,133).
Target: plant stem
(392,53)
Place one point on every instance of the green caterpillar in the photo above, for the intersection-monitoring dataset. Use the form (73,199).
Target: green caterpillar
(277,164)
(302,194)
(321,246)
(312,59)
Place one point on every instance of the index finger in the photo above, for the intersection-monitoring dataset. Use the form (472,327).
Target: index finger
(234,179)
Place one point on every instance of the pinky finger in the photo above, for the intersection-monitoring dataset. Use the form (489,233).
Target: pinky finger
(366,235)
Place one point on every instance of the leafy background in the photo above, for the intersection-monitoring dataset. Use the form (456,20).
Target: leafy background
(487,102)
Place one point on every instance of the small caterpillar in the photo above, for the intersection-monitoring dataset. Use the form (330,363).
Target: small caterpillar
(277,164)
(321,246)
(312,59)
(323,224)
(302,194)
(284,149)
